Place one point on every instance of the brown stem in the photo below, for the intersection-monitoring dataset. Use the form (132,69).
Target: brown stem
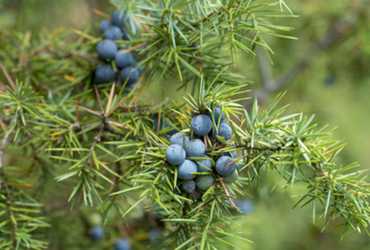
(96,140)
(227,193)
(10,80)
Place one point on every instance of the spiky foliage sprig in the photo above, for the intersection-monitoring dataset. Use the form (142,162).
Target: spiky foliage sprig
(194,41)
(108,146)
(20,213)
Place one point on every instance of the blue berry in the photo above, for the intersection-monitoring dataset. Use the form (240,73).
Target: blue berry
(106,49)
(180,139)
(125,35)
(123,60)
(122,244)
(175,154)
(232,178)
(246,206)
(155,121)
(186,169)
(119,18)
(224,130)
(195,147)
(217,113)
(222,162)
(201,124)
(97,233)
(104,25)
(189,186)
(204,165)
(130,75)
(113,33)
(204,182)
(196,195)
(104,73)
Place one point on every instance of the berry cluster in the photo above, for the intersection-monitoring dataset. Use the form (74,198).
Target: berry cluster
(191,158)
(107,49)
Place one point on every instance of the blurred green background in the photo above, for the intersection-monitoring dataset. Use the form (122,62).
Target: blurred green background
(325,72)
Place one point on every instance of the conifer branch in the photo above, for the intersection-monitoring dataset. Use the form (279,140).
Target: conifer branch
(97,139)
(5,188)
(193,44)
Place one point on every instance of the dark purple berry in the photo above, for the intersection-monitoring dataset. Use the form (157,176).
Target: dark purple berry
(189,186)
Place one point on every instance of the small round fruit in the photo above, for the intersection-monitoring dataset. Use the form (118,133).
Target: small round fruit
(224,130)
(106,49)
(204,182)
(122,244)
(186,169)
(245,206)
(179,138)
(104,73)
(222,162)
(196,195)
(204,165)
(97,233)
(123,60)
(232,178)
(189,186)
(119,18)
(217,113)
(104,25)
(95,219)
(113,33)
(201,124)
(175,154)
(156,121)
(125,35)
(195,147)
(130,75)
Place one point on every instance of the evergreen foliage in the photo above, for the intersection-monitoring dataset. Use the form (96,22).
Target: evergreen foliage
(106,145)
